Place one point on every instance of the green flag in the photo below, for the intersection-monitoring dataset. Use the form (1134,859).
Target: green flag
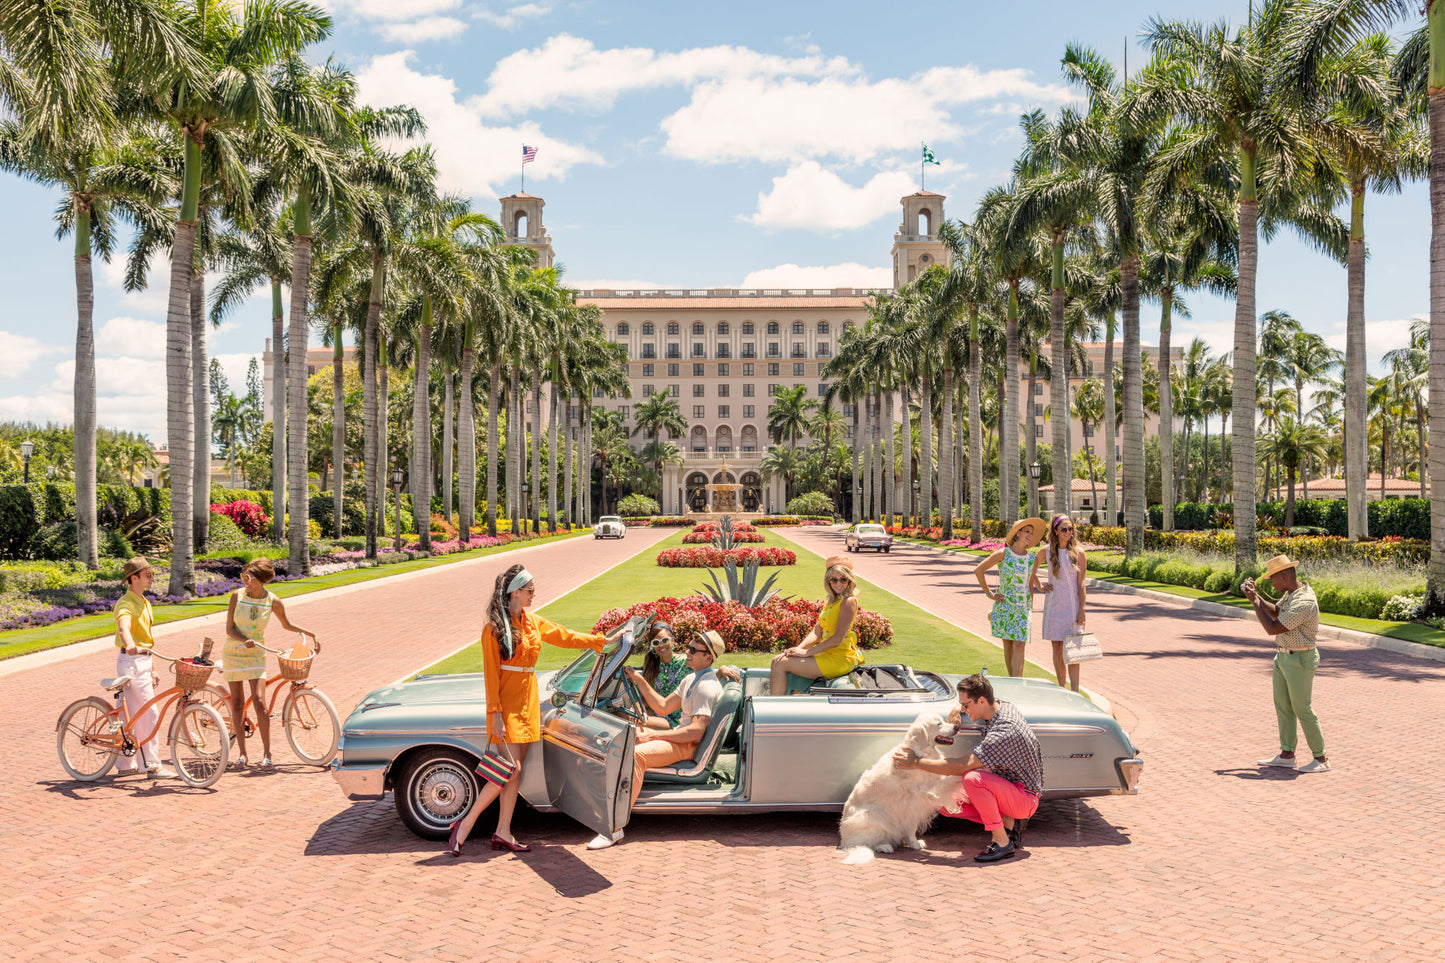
(928,156)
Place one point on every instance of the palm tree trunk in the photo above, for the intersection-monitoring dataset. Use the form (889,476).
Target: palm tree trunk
(975,429)
(946,465)
(1111,428)
(383,431)
(421,431)
(86,524)
(857,512)
(1093,482)
(538,491)
(180,425)
(1009,432)
(569,465)
(1242,443)
(1062,463)
(554,462)
(1289,501)
(584,459)
(517,442)
(370,429)
(925,448)
(1031,438)
(1356,435)
(449,403)
(201,411)
(1135,498)
(278,415)
(1203,495)
(890,467)
(493,414)
(905,436)
(1166,414)
(466,441)
(298,487)
(338,427)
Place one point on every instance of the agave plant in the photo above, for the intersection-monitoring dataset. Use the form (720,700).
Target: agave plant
(724,537)
(740,588)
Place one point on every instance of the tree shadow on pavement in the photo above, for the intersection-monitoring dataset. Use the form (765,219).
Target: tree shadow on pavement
(1260,773)
(130,785)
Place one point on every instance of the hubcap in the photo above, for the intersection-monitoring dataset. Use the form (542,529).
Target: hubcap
(443,793)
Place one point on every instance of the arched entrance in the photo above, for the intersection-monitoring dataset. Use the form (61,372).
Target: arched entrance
(723,439)
(698,439)
(752,493)
(696,486)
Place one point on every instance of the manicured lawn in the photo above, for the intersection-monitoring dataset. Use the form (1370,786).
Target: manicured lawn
(919,639)
(20,641)
(1409,631)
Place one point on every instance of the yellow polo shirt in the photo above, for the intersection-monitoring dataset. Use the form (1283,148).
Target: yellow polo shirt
(138,608)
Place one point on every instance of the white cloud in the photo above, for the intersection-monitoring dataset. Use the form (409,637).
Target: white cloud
(420,31)
(849,275)
(392,9)
(513,16)
(21,351)
(153,297)
(130,336)
(471,156)
(815,199)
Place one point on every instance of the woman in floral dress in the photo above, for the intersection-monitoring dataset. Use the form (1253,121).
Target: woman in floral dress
(1009,620)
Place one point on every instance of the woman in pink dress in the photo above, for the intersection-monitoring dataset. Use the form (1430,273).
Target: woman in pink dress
(1064,593)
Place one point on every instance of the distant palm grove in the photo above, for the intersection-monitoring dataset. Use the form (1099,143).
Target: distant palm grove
(215,132)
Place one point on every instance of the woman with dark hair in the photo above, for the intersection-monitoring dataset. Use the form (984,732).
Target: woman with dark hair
(661,668)
(1064,594)
(511,641)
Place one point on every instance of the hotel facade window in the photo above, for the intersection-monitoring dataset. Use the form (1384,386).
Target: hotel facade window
(747,370)
(723,370)
(624,411)
(647,391)
(697,412)
(822,327)
(800,350)
(724,350)
(747,327)
(749,411)
(622,329)
(722,327)
(698,390)
(822,390)
(698,350)
(772,368)
(672,327)
(825,350)
(748,389)
(647,327)
(798,370)
(750,350)
(797,327)
(674,350)
(772,327)
(697,327)
(722,411)
(775,350)
(674,390)
(647,370)
(697,370)
(649,350)
(672,370)
(722,390)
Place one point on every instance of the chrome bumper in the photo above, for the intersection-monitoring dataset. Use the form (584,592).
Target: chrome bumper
(1129,770)
(360,782)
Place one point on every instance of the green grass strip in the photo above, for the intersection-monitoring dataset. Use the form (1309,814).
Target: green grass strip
(22,641)
(919,639)
(1409,631)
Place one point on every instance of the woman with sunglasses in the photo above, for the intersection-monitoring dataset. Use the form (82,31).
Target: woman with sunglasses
(830,648)
(1064,594)
(661,669)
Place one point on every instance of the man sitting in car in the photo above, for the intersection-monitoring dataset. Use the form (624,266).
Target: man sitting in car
(696,697)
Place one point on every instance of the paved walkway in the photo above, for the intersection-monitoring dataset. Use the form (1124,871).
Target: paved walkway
(1214,860)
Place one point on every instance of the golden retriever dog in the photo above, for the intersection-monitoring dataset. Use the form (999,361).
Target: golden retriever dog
(889,807)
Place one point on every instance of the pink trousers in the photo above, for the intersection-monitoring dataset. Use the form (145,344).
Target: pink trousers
(987,798)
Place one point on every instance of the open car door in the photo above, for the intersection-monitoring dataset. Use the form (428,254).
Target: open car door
(587,749)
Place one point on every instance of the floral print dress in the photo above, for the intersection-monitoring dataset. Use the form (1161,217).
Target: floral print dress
(1010,618)
(669,677)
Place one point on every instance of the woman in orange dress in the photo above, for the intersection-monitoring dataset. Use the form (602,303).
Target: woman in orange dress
(511,642)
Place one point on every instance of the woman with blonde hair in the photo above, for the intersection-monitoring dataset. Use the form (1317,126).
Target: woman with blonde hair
(830,648)
(1064,593)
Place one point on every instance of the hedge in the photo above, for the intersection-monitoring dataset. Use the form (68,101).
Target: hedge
(25,509)
(1400,517)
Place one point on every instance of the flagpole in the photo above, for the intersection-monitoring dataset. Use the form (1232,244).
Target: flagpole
(922,166)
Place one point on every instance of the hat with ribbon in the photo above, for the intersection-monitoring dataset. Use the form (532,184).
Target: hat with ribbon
(134,566)
(841,561)
(1036,528)
(1278,564)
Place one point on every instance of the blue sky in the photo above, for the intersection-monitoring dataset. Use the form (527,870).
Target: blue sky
(740,144)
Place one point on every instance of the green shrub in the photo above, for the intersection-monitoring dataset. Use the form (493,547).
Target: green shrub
(810,503)
(638,506)
(226,537)
(353,510)
(1218,581)
(224,496)
(60,542)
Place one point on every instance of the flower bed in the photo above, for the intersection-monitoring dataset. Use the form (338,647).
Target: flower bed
(777,521)
(707,556)
(767,628)
(717,527)
(249,517)
(697,537)
(670,521)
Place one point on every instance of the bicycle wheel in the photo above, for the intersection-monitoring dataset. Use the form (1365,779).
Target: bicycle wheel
(84,739)
(217,698)
(198,745)
(312,726)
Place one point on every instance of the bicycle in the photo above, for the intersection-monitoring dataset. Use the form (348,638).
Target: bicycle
(312,726)
(91,733)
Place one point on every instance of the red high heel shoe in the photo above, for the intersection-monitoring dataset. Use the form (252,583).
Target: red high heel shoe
(500,843)
(454,847)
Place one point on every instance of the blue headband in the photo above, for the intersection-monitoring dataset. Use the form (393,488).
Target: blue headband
(519,580)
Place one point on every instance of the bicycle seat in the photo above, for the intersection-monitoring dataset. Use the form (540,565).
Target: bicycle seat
(111,685)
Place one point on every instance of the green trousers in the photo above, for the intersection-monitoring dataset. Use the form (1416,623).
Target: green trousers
(1294,682)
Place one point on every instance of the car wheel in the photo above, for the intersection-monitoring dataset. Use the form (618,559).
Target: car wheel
(887,550)
(434,789)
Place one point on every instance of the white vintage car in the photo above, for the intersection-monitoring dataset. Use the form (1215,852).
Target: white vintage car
(609,526)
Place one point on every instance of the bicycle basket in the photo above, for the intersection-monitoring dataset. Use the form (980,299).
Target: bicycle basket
(190,676)
(294,670)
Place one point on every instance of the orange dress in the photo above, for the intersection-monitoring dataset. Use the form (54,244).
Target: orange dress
(512,685)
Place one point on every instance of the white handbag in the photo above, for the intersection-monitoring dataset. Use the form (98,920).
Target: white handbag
(1081,647)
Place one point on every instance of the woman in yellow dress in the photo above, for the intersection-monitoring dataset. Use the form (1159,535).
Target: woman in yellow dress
(830,648)
(511,642)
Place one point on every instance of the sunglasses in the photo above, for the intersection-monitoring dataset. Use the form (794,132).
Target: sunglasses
(840,578)
(661,642)
(694,649)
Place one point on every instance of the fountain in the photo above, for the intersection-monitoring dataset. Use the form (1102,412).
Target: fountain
(723,496)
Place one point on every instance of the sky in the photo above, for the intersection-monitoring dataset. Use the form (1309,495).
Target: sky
(738,144)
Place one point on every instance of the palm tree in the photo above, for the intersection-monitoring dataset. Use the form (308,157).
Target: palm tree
(1308,359)
(1089,409)
(970,283)
(788,414)
(784,462)
(655,415)
(1410,367)
(1294,444)
(1227,88)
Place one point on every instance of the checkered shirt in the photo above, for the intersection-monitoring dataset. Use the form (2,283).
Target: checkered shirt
(1010,749)
(1299,613)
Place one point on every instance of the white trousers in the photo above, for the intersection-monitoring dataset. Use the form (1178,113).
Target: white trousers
(140,691)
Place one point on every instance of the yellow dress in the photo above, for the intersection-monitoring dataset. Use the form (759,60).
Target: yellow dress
(512,685)
(843,657)
(238,663)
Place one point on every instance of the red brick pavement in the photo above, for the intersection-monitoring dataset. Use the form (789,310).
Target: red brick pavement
(1212,861)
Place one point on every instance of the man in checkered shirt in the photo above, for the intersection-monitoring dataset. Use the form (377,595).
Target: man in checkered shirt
(1004,774)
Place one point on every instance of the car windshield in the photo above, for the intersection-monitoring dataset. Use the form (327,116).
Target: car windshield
(870,529)
(609,518)
(578,676)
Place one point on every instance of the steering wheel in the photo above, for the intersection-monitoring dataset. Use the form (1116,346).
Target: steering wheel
(636,706)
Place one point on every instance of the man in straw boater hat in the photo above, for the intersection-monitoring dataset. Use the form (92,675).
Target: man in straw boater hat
(1294,622)
(133,620)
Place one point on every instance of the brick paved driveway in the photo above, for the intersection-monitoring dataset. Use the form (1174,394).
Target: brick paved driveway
(1213,861)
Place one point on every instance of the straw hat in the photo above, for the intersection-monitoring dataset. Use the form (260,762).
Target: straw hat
(1278,564)
(135,566)
(842,561)
(1037,527)
(715,642)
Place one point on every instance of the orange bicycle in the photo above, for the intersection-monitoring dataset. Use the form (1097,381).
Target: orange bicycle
(92,734)
(312,726)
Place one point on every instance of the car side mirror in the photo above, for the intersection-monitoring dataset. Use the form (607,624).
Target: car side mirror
(559,699)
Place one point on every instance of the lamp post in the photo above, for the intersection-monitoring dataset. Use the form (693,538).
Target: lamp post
(524,515)
(1034,471)
(50,472)
(396,478)
(915,508)
(27,447)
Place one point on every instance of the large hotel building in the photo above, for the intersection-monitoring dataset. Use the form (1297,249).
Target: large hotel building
(722,351)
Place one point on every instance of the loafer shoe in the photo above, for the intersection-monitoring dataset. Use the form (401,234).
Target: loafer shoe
(602,841)
(160,772)
(995,852)
(1280,762)
(1314,765)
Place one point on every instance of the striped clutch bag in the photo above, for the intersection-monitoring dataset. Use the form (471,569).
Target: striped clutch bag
(496,768)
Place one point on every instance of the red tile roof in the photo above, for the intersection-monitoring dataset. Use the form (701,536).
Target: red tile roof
(670,305)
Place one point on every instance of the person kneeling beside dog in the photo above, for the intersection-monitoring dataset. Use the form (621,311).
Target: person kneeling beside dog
(1004,774)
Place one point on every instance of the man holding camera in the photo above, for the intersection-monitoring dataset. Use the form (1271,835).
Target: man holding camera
(1294,622)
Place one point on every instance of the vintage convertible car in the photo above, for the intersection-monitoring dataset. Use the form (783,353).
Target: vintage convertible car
(803,751)
(609,526)
(868,535)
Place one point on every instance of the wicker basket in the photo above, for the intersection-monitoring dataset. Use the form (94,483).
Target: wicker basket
(294,670)
(190,676)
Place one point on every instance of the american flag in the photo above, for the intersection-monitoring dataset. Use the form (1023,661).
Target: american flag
(529,154)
